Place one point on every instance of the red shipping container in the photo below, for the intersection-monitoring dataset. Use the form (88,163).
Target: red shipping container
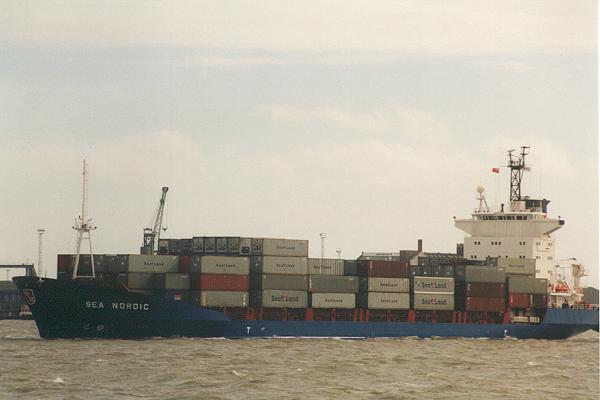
(519,300)
(487,304)
(63,262)
(494,290)
(224,282)
(383,269)
(184,264)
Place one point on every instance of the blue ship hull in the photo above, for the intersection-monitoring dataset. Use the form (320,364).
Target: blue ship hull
(68,309)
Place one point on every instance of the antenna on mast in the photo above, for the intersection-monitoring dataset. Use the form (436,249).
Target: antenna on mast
(517,166)
(83,227)
(483,207)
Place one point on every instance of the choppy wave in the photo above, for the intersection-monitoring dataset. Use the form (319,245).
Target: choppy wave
(319,368)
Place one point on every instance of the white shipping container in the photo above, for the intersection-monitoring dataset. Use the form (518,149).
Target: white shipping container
(434,301)
(225,265)
(333,300)
(393,285)
(517,266)
(431,284)
(284,298)
(283,265)
(325,266)
(389,301)
(148,264)
(285,247)
(223,299)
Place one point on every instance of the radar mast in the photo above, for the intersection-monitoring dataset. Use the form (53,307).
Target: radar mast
(517,166)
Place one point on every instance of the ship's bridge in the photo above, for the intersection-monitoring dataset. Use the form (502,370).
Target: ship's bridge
(509,224)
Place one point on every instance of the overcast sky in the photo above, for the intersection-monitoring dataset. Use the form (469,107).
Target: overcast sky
(371,121)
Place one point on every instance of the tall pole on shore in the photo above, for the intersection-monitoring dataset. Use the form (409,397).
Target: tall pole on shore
(41,270)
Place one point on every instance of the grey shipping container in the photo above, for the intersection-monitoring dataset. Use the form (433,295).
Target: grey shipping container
(122,280)
(523,284)
(388,301)
(256,246)
(198,245)
(123,263)
(284,299)
(245,246)
(325,266)
(221,243)
(139,263)
(105,263)
(163,244)
(280,265)
(391,285)
(433,301)
(210,244)
(333,300)
(429,284)
(350,268)
(225,265)
(474,273)
(517,266)
(333,284)
(223,299)
(233,245)
(279,281)
(285,247)
(177,281)
(187,246)
(174,246)
(145,281)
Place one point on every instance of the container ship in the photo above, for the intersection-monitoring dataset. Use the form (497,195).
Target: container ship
(498,284)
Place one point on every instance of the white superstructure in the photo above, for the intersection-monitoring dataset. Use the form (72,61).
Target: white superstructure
(524,231)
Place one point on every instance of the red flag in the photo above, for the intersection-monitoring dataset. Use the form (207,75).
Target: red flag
(496,170)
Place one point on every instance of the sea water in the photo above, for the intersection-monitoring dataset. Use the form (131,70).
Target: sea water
(192,368)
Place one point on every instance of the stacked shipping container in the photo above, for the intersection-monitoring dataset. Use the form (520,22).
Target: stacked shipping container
(384,285)
(480,289)
(279,276)
(329,288)
(433,293)
(527,292)
(276,274)
(223,281)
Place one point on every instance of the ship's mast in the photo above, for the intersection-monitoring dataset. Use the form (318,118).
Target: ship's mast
(517,166)
(83,227)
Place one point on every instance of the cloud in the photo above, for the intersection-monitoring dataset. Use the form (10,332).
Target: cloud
(507,65)
(406,28)
(400,121)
